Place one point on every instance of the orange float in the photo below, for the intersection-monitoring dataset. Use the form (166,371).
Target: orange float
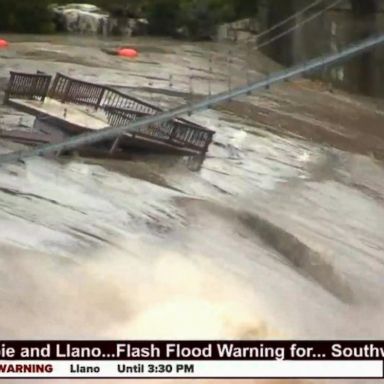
(3,43)
(127,52)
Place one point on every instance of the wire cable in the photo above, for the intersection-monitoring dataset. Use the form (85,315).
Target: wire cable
(297,26)
(288,19)
(285,21)
(108,133)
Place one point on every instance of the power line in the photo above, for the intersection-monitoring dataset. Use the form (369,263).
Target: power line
(305,21)
(108,133)
(229,58)
(295,27)
(288,19)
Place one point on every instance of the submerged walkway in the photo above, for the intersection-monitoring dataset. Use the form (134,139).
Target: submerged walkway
(73,114)
(77,107)
(160,118)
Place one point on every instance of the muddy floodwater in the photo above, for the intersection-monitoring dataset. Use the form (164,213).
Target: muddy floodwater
(279,235)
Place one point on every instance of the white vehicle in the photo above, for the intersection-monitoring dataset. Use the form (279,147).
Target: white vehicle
(79,7)
(80,18)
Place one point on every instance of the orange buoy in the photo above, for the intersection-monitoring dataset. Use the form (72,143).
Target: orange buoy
(127,52)
(3,43)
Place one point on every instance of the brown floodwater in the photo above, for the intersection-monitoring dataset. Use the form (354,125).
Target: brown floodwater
(279,235)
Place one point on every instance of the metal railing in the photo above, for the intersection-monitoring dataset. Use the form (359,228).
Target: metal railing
(109,133)
(28,86)
(70,90)
(123,109)
(180,133)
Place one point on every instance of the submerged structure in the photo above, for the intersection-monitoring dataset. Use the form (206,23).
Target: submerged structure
(64,106)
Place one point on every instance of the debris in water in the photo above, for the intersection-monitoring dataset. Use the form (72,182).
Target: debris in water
(4,43)
(127,52)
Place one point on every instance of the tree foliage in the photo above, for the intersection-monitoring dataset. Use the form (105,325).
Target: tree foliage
(196,17)
(29,16)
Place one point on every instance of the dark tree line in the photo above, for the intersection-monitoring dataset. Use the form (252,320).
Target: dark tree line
(196,17)
(26,16)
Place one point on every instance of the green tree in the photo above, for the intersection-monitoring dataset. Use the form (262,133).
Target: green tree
(197,17)
(163,16)
(26,16)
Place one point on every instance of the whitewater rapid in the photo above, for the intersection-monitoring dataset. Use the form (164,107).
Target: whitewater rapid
(278,236)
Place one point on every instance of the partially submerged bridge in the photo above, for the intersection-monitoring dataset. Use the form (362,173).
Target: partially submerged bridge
(65,106)
(163,126)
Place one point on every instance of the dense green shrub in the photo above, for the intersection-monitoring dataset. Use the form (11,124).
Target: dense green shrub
(163,16)
(196,17)
(25,16)
(245,8)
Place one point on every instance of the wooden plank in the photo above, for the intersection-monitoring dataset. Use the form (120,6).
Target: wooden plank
(75,115)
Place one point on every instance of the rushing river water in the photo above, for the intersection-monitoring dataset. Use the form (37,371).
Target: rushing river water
(280,235)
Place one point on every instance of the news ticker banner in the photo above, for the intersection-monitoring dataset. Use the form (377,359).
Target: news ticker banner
(191,359)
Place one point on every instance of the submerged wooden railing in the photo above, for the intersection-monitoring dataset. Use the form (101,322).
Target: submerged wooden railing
(69,90)
(28,86)
(120,109)
(180,133)
(275,78)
